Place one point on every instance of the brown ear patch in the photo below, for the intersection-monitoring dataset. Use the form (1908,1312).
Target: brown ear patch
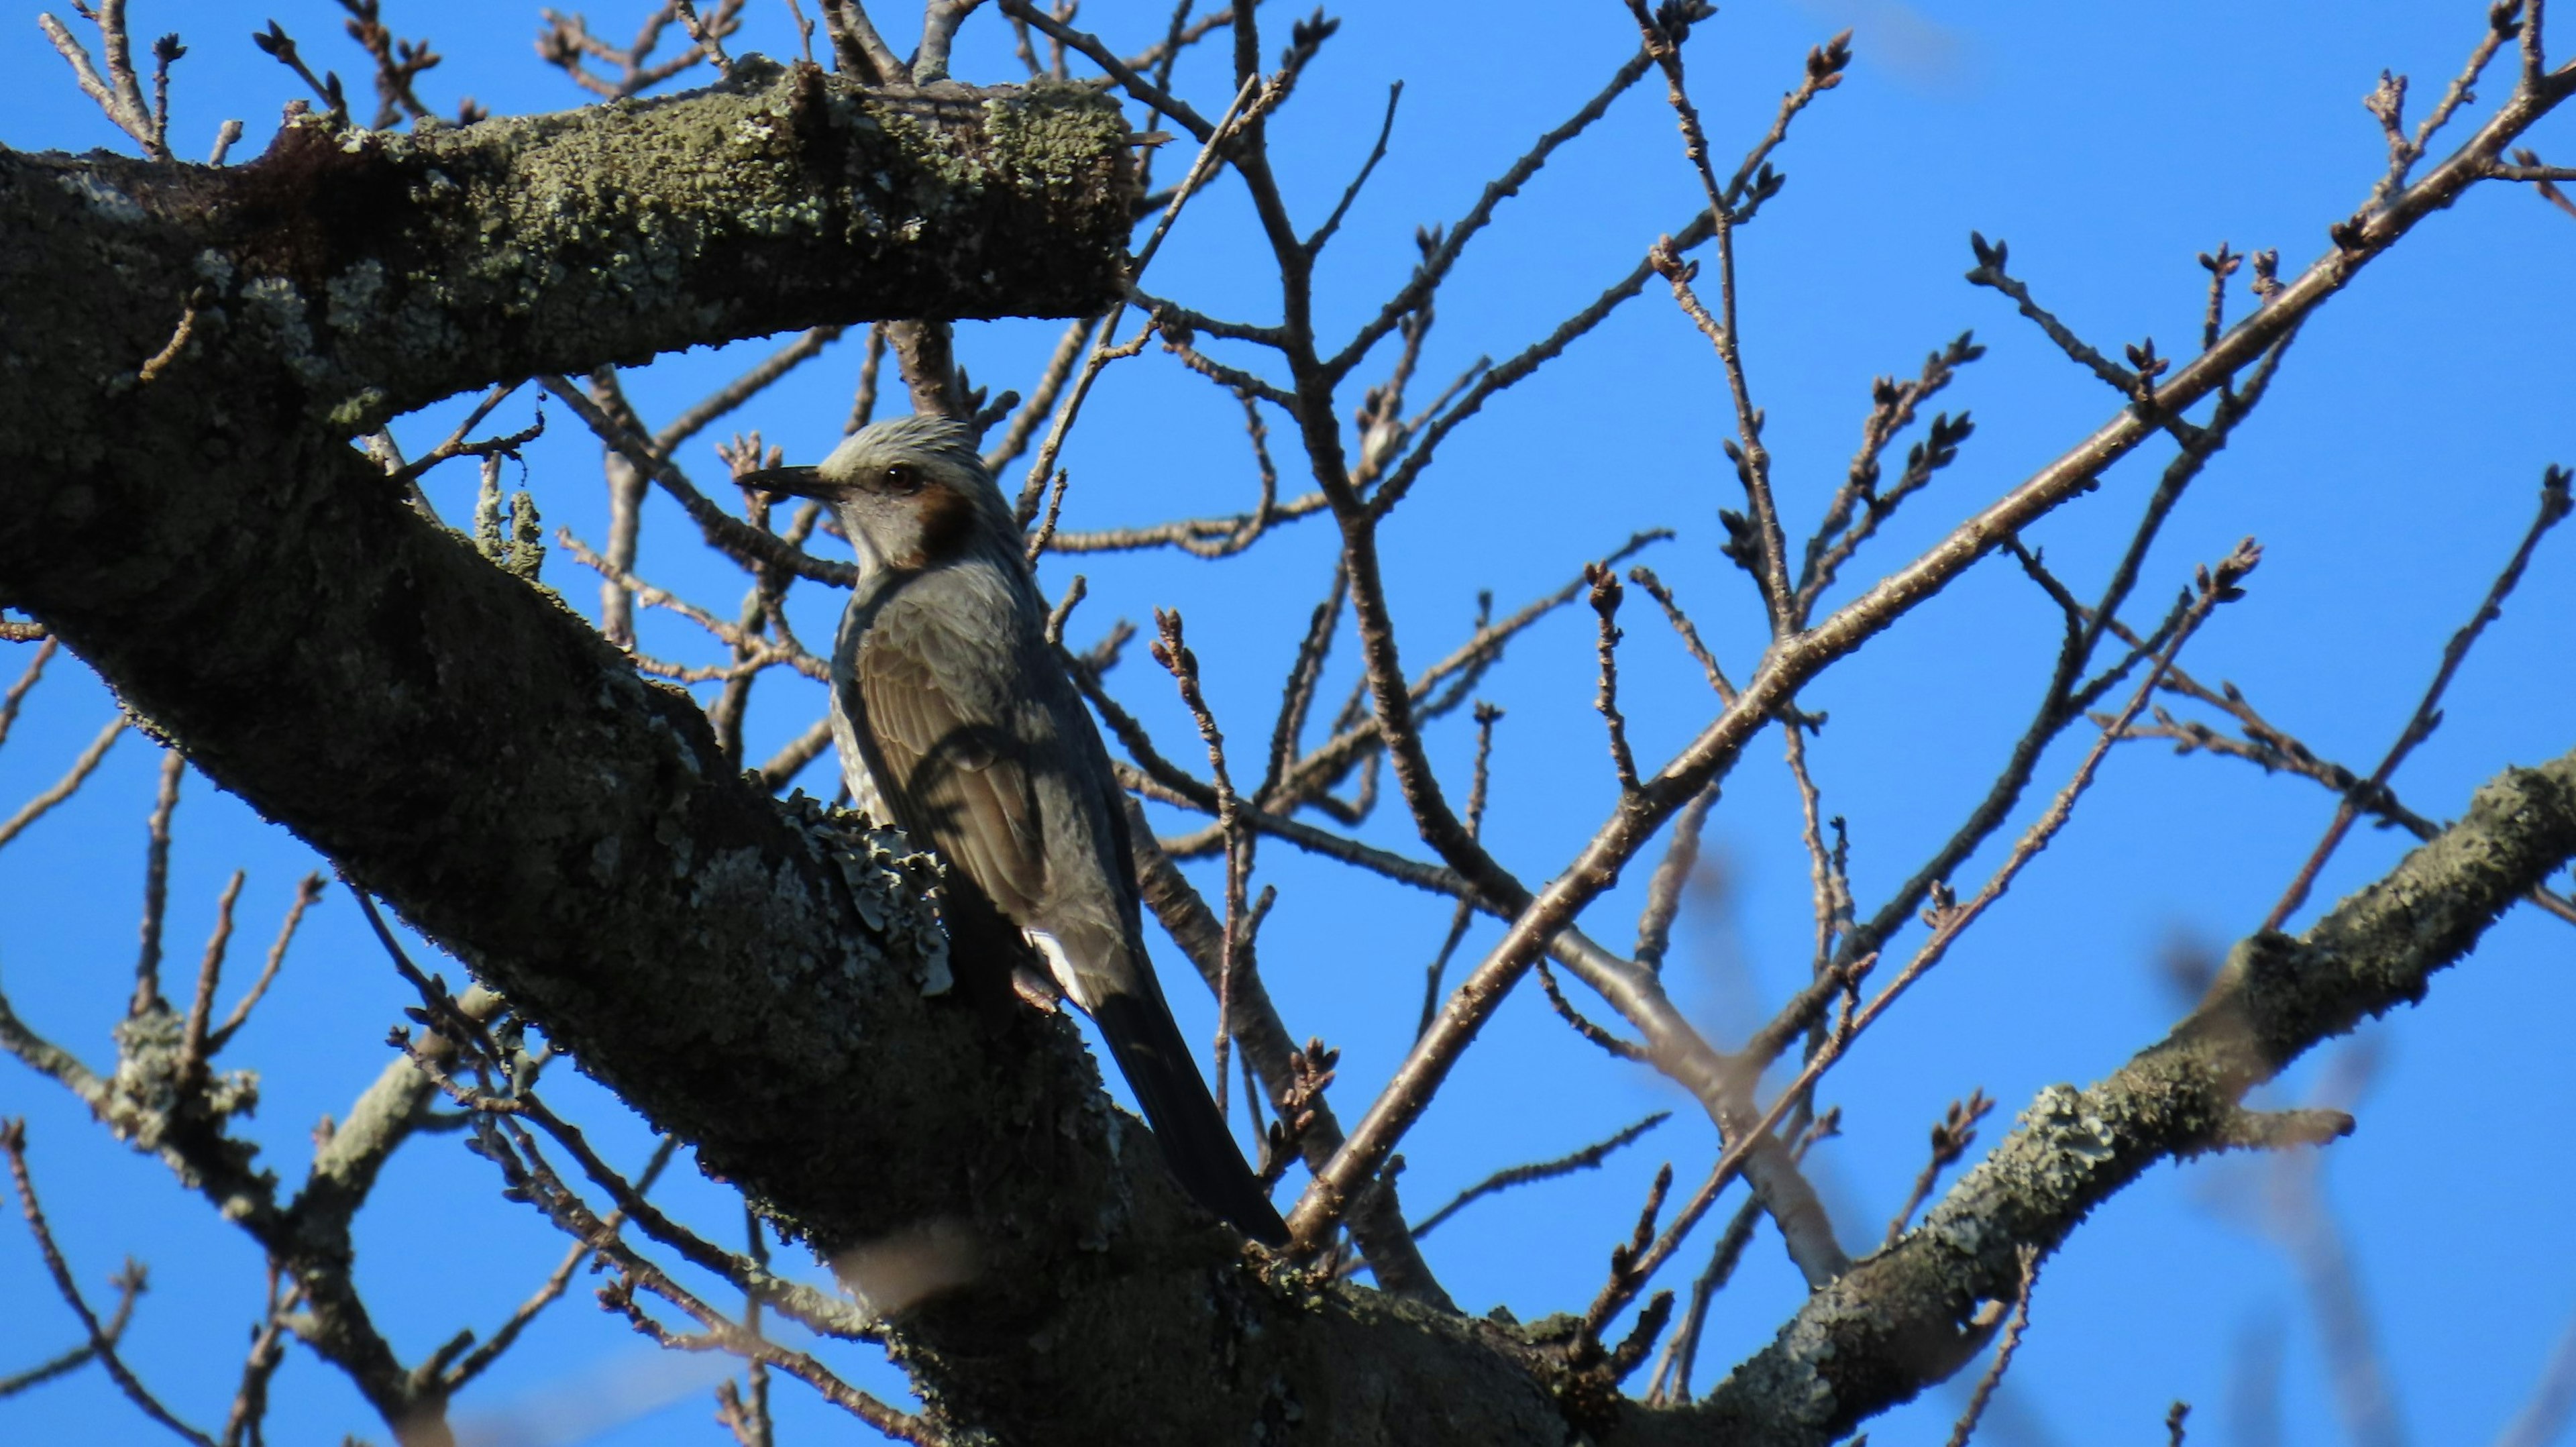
(947,523)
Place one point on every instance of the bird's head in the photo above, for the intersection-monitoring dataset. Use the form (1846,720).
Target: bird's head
(910,492)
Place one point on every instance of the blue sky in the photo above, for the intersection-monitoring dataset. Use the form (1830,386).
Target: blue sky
(2392,471)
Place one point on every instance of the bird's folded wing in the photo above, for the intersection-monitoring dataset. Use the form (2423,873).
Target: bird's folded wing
(952,762)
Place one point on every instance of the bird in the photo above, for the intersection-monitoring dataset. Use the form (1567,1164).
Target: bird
(956,723)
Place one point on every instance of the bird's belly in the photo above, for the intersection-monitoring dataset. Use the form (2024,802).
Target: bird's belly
(865,796)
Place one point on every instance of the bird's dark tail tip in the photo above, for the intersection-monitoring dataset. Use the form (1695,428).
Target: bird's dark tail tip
(1194,1138)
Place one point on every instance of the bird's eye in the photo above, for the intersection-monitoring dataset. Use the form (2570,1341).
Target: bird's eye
(902,477)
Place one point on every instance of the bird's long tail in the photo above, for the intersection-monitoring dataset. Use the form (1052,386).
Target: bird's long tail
(1195,1141)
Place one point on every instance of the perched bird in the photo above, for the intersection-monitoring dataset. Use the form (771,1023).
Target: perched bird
(957,724)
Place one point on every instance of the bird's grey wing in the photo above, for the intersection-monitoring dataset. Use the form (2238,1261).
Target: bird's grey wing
(948,756)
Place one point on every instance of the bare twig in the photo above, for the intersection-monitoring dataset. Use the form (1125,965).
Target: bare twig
(13,1141)
(858,48)
(63,788)
(1486,717)
(713,407)
(1090,48)
(1985,1392)
(306,892)
(1351,193)
(2388,102)
(1951,1137)
(1606,594)
(1672,875)
(201,1005)
(1565,1011)
(1175,655)
(737,539)
(1426,279)
(120,93)
(1671,1379)
(752,651)
(710,37)
(1586,1351)
(2555,504)
(11,701)
(275,43)
(1250,101)
(267,1352)
(1586,1159)
(130,1284)
(504,1336)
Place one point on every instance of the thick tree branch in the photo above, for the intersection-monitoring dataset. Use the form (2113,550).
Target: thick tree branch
(1899,1320)
(370,273)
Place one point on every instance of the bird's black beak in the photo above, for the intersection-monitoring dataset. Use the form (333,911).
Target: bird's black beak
(785,481)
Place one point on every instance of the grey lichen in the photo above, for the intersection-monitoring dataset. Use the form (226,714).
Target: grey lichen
(150,1093)
(102,198)
(354,294)
(1054,131)
(894,886)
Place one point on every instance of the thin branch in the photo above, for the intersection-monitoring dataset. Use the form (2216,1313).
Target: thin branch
(120,93)
(13,1141)
(1293,1079)
(17,694)
(1426,279)
(130,1284)
(267,1353)
(1893,407)
(1670,1382)
(1618,1048)
(552,1288)
(791,760)
(1606,594)
(1985,1392)
(710,37)
(1951,1137)
(1351,193)
(1069,349)
(1644,577)
(1487,716)
(306,892)
(2387,103)
(1248,104)
(1523,364)
(753,651)
(713,407)
(737,539)
(1090,48)
(860,51)
(455,444)
(1297,694)
(1587,1159)
(1672,875)
(63,788)
(2555,504)
(201,1004)
(1175,655)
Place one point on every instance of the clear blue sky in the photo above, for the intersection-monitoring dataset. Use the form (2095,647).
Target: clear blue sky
(2393,470)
